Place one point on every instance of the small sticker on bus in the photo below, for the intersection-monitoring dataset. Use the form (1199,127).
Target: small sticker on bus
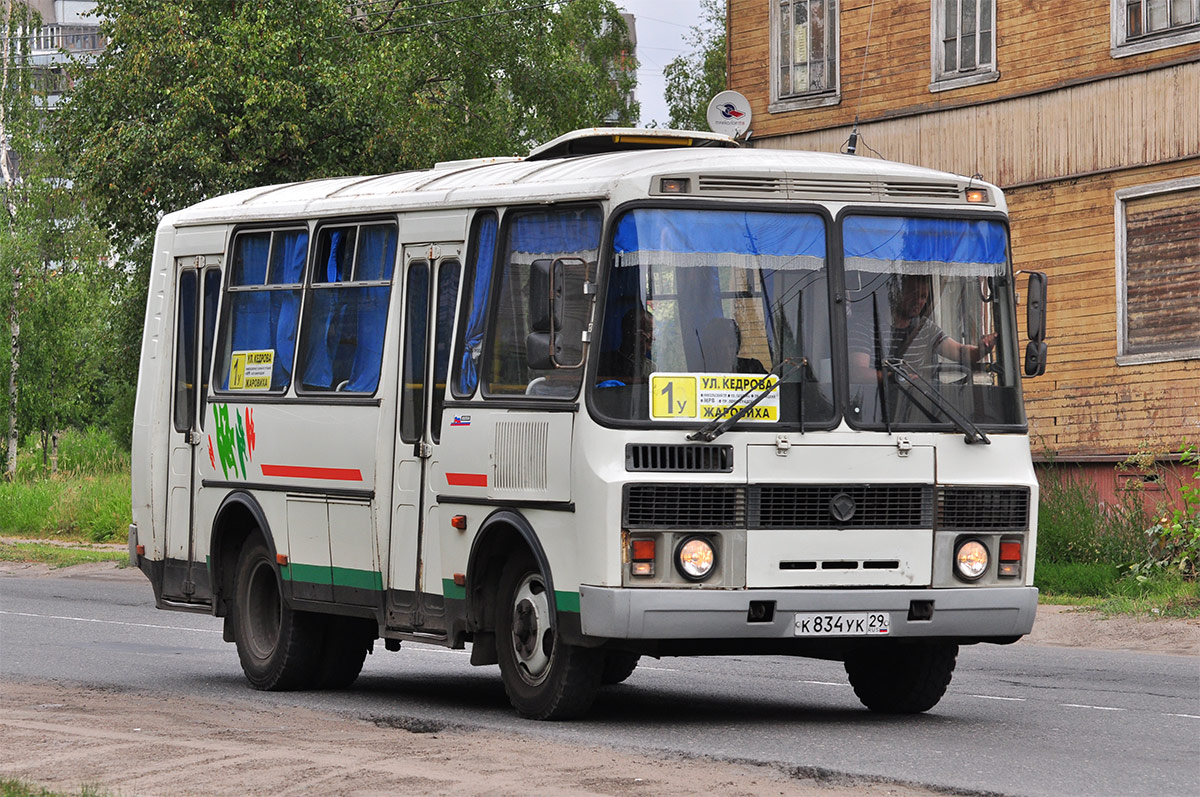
(251,370)
(707,397)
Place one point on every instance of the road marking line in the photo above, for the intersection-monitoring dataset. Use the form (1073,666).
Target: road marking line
(823,683)
(1097,708)
(659,669)
(1188,716)
(112,622)
(996,697)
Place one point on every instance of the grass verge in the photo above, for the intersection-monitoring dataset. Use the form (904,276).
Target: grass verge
(77,508)
(1162,596)
(16,788)
(58,555)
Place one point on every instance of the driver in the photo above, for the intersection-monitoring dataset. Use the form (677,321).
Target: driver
(912,334)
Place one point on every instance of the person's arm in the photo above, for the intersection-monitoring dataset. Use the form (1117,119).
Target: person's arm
(963,353)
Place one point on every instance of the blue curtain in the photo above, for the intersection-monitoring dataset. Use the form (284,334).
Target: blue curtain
(556,232)
(960,247)
(483,256)
(376,252)
(786,235)
(250,259)
(376,259)
(288,257)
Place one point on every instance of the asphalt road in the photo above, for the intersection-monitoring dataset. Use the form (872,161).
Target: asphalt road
(1019,720)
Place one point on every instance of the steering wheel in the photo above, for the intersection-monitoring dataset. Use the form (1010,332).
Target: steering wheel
(949,373)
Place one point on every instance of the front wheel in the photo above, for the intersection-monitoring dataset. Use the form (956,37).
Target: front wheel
(902,679)
(279,647)
(545,678)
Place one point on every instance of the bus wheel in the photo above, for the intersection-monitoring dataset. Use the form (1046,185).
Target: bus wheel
(545,678)
(347,642)
(278,647)
(618,665)
(903,679)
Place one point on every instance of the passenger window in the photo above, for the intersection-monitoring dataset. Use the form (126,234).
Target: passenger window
(341,342)
(476,287)
(572,235)
(258,334)
(446,301)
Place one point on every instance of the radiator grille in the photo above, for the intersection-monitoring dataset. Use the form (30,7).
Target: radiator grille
(978,508)
(810,506)
(685,506)
(673,458)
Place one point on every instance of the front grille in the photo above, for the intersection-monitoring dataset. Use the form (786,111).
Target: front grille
(675,458)
(685,506)
(811,506)
(980,508)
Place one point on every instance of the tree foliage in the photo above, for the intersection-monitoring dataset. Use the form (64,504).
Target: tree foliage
(695,78)
(194,98)
(53,288)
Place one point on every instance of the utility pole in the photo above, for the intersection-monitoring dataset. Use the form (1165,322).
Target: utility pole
(8,179)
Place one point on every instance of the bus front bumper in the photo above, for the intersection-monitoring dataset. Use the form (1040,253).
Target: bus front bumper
(965,614)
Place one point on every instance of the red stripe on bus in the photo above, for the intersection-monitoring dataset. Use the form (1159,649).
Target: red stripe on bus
(466,479)
(303,472)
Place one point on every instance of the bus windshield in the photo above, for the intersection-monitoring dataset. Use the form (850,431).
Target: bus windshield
(703,303)
(700,303)
(929,323)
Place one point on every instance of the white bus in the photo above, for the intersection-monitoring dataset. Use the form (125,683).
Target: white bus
(640,393)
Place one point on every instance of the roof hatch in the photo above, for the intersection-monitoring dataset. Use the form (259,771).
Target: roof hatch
(596,140)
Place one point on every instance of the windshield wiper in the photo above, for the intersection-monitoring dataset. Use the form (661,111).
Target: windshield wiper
(720,424)
(909,380)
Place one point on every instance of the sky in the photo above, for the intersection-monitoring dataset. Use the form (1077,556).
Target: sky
(662,30)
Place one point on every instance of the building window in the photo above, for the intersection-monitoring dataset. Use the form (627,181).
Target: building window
(1158,272)
(963,43)
(804,52)
(1140,26)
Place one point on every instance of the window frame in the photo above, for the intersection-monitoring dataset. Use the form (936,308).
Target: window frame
(510,215)
(312,286)
(940,78)
(222,339)
(469,262)
(807,99)
(1121,197)
(1122,46)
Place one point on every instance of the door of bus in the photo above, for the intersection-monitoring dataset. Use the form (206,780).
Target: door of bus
(431,284)
(199,287)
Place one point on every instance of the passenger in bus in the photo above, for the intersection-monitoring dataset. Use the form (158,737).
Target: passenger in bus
(720,342)
(911,335)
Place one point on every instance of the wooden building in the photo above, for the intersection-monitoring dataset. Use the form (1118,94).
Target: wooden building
(1088,115)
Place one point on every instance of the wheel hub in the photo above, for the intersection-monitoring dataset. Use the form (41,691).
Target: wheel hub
(532,634)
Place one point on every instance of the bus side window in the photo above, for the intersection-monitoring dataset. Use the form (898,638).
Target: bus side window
(266,277)
(446,301)
(341,342)
(573,235)
(476,288)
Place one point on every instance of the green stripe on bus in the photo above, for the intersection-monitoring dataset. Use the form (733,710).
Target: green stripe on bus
(567,601)
(337,576)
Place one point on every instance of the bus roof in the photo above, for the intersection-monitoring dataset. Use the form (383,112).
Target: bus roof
(714,165)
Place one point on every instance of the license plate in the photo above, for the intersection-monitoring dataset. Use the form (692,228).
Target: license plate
(843,624)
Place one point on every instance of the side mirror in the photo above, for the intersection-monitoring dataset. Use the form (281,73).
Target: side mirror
(1035,324)
(542,350)
(1035,306)
(546,296)
(1035,358)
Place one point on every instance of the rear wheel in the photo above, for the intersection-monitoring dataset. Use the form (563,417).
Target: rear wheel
(279,648)
(618,665)
(545,678)
(902,679)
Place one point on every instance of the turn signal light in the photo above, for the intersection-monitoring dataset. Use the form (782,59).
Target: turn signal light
(642,551)
(1010,551)
(459,522)
(977,195)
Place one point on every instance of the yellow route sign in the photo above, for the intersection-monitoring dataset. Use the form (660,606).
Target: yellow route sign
(708,396)
(251,370)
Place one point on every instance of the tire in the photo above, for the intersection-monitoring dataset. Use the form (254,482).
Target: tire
(618,665)
(279,648)
(347,642)
(902,679)
(545,678)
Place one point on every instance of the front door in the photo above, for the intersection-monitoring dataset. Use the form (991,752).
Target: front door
(431,283)
(199,282)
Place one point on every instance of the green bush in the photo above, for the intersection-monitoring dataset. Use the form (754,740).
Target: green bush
(90,451)
(1074,527)
(1175,538)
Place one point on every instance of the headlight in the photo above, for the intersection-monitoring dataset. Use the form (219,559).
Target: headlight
(695,558)
(971,560)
